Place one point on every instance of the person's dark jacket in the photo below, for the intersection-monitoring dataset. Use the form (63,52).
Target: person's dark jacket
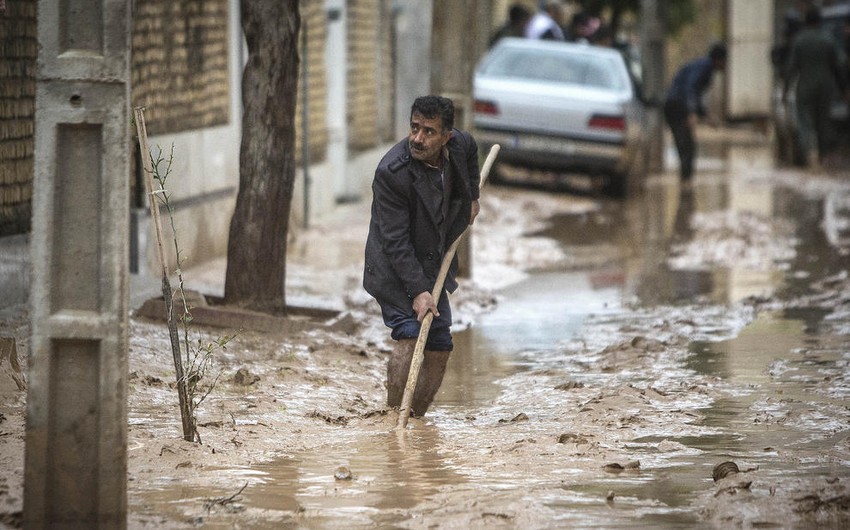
(406,242)
(689,84)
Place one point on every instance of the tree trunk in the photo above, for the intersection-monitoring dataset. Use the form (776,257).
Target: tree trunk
(256,249)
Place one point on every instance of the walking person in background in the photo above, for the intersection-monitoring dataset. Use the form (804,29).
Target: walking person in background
(518,17)
(546,24)
(817,64)
(425,194)
(683,104)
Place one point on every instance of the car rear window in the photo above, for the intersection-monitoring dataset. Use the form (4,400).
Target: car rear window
(556,66)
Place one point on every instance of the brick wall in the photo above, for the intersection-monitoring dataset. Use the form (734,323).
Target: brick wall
(180,64)
(19,50)
(369,73)
(313,20)
(180,74)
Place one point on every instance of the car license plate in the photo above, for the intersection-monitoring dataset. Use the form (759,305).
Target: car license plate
(548,145)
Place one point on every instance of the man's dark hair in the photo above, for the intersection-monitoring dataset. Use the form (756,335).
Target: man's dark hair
(717,52)
(435,107)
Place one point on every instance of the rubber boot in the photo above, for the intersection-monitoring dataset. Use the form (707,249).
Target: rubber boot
(397,369)
(429,381)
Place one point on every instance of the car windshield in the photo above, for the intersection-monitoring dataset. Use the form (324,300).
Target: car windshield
(597,71)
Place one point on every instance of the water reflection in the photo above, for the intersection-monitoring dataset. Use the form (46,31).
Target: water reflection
(781,361)
(391,472)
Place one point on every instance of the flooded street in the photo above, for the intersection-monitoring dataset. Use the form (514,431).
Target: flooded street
(608,355)
(603,388)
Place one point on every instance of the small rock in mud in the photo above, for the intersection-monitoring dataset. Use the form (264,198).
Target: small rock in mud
(338,420)
(724,469)
(343,473)
(150,380)
(610,496)
(345,323)
(519,417)
(613,467)
(570,438)
(643,343)
(569,385)
(244,377)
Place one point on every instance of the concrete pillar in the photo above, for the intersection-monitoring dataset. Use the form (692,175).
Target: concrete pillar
(653,35)
(413,58)
(336,59)
(76,435)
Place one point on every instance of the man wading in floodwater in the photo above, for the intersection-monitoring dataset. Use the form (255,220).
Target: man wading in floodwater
(425,193)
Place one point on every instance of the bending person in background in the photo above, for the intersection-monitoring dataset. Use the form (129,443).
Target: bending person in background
(683,105)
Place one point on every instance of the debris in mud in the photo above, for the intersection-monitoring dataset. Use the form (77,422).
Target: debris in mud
(610,496)
(724,469)
(345,323)
(150,380)
(814,502)
(227,502)
(615,467)
(504,516)
(244,377)
(519,417)
(637,344)
(339,420)
(572,439)
(799,502)
(374,413)
(343,473)
(569,385)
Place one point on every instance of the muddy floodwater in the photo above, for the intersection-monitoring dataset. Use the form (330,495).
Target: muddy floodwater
(657,339)
(608,356)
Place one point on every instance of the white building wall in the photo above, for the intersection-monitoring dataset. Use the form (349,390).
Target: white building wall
(749,72)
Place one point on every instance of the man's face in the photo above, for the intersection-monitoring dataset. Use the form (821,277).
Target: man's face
(426,138)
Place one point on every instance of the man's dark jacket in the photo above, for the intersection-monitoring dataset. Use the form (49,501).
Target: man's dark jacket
(406,241)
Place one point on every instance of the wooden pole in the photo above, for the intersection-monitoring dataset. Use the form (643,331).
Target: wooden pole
(167,294)
(419,349)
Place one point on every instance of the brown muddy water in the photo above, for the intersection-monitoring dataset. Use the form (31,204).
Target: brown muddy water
(778,367)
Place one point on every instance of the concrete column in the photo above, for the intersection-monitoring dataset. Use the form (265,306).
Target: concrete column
(76,435)
(413,58)
(653,35)
(336,59)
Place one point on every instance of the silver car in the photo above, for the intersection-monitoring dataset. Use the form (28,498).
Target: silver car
(559,106)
